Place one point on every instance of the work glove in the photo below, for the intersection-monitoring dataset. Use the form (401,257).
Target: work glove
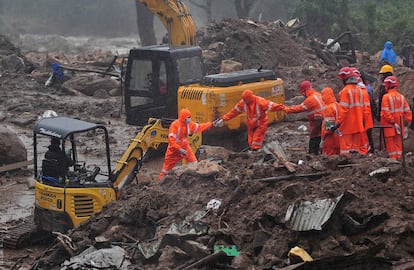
(397,128)
(334,127)
(218,123)
(406,132)
(183,152)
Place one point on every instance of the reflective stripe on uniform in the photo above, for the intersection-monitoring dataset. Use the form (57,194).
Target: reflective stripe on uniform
(257,112)
(320,103)
(392,104)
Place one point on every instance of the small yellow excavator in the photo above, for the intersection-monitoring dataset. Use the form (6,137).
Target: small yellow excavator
(65,197)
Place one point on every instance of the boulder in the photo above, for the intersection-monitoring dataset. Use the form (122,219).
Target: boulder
(12,148)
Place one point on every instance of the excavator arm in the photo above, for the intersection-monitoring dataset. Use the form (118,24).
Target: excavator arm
(151,136)
(176,18)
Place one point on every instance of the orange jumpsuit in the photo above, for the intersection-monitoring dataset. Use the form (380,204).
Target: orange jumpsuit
(330,115)
(352,114)
(394,106)
(314,105)
(368,120)
(256,118)
(178,139)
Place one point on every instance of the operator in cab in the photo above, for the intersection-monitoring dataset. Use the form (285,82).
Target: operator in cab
(57,163)
(178,145)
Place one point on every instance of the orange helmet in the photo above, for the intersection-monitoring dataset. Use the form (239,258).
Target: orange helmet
(345,73)
(303,86)
(391,82)
(247,95)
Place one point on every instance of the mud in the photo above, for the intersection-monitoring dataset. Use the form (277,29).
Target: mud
(375,210)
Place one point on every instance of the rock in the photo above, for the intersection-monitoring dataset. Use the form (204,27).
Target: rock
(12,63)
(215,152)
(89,85)
(230,66)
(12,148)
(101,93)
(115,92)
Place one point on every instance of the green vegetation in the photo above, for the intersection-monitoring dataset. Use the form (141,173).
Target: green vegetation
(372,22)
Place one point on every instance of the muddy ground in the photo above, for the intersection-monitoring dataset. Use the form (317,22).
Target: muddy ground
(375,212)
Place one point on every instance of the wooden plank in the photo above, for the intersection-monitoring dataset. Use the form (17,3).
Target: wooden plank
(277,151)
(14,166)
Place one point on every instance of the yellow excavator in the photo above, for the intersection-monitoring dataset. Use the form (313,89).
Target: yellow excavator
(65,196)
(162,79)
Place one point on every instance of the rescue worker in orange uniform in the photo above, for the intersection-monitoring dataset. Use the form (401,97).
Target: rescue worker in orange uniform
(352,114)
(178,145)
(369,120)
(394,106)
(256,109)
(314,105)
(330,139)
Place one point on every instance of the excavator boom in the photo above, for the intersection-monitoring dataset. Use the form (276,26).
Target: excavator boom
(176,18)
(152,136)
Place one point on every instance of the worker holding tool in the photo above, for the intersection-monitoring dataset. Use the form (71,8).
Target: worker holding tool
(352,113)
(178,145)
(330,139)
(256,109)
(314,105)
(395,112)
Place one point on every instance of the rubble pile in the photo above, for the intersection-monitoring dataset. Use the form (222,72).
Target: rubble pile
(252,44)
(185,220)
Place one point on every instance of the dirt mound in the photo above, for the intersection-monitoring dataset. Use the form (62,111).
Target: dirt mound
(250,43)
(252,213)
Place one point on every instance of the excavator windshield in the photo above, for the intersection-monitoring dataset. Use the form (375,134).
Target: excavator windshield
(153,76)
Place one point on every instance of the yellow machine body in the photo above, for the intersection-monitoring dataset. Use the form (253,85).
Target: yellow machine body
(209,103)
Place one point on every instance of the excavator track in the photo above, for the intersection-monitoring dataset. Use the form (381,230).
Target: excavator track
(23,234)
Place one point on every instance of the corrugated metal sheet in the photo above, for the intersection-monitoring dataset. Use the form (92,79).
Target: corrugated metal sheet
(306,215)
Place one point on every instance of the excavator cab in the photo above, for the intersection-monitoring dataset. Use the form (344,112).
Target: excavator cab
(153,76)
(66,197)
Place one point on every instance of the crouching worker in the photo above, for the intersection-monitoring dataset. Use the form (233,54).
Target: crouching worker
(256,109)
(178,145)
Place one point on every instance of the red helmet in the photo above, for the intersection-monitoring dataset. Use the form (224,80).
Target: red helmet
(391,82)
(303,86)
(356,71)
(345,73)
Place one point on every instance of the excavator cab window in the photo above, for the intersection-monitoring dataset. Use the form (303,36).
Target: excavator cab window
(141,82)
(148,82)
(152,79)
(190,70)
